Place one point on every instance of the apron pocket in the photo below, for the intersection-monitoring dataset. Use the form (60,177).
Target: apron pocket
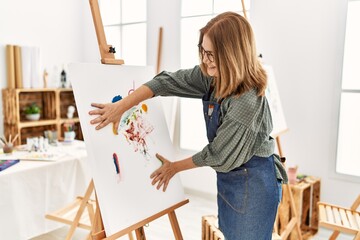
(233,188)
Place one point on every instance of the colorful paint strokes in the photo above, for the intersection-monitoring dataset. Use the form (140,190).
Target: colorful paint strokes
(135,127)
(116,98)
(117,166)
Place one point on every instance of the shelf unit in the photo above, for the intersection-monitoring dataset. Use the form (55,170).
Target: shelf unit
(53,103)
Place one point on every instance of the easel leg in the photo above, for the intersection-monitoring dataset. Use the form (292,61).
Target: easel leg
(279,146)
(80,211)
(140,234)
(175,225)
(98,226)
(295,221)
(295,213)
(130,235)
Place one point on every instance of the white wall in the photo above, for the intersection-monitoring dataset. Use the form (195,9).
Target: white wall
(302,40)
(54,26)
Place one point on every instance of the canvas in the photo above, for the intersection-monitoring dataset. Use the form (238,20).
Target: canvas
(121,164)
(272,94)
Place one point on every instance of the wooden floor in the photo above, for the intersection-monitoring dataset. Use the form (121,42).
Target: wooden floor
(189,217)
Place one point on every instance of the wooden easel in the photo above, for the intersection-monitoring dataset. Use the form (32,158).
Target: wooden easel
(97,229)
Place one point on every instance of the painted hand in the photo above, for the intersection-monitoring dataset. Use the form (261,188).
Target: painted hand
(106,113)
(163,174)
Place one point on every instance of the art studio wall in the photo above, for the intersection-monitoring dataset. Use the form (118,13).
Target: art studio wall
(301,40)
(304,41)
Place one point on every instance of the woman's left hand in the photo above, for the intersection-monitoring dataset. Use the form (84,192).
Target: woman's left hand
(163,174)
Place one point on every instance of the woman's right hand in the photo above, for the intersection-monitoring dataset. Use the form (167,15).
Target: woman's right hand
(105,114)
(112,112)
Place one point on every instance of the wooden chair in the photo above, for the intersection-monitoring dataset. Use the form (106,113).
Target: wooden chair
(340,219)
(210,230)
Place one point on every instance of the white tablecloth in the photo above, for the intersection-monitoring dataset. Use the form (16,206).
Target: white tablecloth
(31,189)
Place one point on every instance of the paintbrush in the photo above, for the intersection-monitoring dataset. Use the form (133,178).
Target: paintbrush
(3,140)
(17,135)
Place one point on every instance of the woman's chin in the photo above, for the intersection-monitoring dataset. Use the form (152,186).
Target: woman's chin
(212,72)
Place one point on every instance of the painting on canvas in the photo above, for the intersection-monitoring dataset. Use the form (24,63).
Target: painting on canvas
(122,163)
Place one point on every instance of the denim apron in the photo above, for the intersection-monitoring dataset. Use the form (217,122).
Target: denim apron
(248,196)
(211,114)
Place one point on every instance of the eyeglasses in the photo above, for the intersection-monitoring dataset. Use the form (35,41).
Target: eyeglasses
(209,54)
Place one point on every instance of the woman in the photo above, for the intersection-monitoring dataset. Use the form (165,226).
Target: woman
(232,83)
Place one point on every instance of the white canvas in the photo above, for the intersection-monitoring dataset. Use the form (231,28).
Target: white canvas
(126,195)
(272,94)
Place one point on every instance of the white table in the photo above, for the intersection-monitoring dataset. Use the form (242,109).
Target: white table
(30,189)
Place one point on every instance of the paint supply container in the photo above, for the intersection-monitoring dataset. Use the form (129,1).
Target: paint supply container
(69,136)
(292,172)
(8,148)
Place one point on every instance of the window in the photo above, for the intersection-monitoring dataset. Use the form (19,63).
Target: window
(348,147)
(194,15)
(125,28)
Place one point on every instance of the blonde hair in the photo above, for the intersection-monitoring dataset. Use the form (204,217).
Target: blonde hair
(239,69)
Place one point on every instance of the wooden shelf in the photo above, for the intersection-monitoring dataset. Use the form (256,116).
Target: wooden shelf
(42,89)
(37,123)
(53,103)
(74,120)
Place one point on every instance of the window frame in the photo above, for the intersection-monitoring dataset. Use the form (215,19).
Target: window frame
(119,46)
(334,172)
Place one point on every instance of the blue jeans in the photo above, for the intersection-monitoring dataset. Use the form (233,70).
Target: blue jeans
(248,198)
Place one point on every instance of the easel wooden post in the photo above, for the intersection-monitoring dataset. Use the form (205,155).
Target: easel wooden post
(288,196)
(158,63)
(106,51)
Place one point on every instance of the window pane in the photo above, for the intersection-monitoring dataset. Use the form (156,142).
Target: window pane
(230,5)
(192,125)
(198,7)
(351,65)
(189,39)
(113,38)
(110,11)
(348,150)
(134,44)
(133,11)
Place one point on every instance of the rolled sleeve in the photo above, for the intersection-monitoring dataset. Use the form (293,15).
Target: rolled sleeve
(229,148)
(189,83)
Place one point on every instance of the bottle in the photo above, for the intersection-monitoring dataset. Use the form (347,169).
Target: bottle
(63,78)
(45,78)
